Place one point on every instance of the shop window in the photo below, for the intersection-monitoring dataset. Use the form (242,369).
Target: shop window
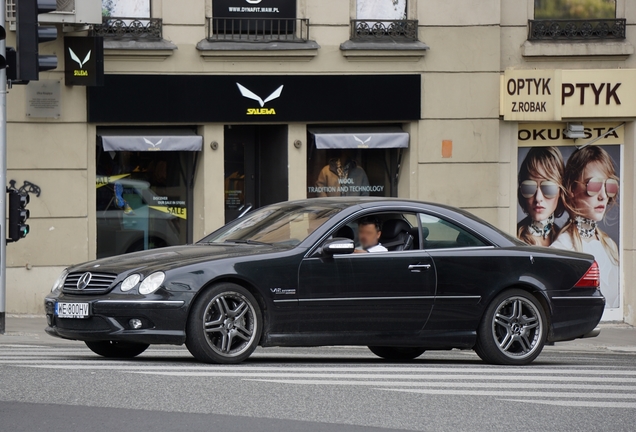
(354,162)
(575,9)
(142,197)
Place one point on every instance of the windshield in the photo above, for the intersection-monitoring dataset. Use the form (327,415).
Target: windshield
(279,225)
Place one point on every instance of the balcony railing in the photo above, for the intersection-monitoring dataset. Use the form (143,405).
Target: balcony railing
(402,30)
(576,29)
(130,28)
(258,29)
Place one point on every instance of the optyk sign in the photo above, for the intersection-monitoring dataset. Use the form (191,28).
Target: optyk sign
(538,95)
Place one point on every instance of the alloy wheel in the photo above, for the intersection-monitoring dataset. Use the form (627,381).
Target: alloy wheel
(229,324)
(517,327)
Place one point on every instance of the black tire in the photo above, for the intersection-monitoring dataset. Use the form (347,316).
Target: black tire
(513,329)
(397,353)
(116,349)
(224,325)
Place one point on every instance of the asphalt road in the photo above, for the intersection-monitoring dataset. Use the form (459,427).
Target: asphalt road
(55,386)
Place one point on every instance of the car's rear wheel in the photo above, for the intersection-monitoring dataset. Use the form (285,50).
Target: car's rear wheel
(397,353)
(116,349)
(513,330)
(225,325)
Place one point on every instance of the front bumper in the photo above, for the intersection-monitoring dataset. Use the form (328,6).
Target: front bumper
(163,320)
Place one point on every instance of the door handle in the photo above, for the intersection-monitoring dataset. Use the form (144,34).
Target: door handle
(419,267)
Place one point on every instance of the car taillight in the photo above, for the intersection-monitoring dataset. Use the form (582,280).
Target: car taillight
(591,278)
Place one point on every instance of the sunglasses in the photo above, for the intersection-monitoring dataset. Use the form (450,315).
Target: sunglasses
(595,184)
(549,189)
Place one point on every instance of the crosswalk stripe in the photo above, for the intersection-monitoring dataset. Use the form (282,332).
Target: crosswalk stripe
(577,404)
(504,393)
(136,364)
(446,384)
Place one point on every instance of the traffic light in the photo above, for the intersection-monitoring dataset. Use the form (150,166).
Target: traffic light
(3,57)
(18,215)
(29,35)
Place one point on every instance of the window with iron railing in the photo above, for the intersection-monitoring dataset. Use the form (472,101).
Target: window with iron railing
(258,29)
(575,20)
(130,28)
(378,20)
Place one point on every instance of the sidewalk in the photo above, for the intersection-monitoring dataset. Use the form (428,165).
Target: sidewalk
(614,337)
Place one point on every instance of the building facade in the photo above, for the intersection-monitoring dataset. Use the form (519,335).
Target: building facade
(210,107)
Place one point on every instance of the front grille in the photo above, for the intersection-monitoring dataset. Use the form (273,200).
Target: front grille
(98,283)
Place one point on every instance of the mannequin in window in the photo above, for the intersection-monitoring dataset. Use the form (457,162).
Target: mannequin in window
(342,177)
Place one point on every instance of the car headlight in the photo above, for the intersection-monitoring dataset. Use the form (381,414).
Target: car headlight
(59,283)
(130,282)
(152,283)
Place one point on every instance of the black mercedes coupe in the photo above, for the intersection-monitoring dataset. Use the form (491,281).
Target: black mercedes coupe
(291,274)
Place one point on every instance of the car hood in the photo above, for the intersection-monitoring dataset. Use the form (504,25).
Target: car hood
(173,257)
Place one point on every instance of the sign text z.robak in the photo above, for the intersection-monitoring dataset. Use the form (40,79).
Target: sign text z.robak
(539,95)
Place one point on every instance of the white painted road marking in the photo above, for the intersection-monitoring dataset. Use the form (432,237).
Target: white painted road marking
(580,386)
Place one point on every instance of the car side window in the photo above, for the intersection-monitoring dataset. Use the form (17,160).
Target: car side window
(397,232)
(441,234)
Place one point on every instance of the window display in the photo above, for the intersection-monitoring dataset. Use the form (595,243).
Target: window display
(354,161)
(141,200)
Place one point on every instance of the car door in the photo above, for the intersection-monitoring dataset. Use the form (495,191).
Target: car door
(462,259)
(382,293)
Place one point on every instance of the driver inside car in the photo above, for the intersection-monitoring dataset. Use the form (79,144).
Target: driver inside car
(369,232)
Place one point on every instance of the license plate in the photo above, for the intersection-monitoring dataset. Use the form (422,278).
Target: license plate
(71,310)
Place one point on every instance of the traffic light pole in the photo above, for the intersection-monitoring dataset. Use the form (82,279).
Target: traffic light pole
(3,176)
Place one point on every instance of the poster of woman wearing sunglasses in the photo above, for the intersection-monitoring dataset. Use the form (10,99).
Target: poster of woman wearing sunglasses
(576,208)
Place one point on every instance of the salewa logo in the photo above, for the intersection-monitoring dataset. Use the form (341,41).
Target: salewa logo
(153,146)
(75,58)
(363,144)
(246,93)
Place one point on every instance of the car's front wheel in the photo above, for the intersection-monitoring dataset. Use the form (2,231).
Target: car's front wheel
(397,353)
(116,349)
(513,330)
(225,325)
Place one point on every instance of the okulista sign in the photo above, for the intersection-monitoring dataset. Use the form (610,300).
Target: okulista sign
(562,94)
(551,134)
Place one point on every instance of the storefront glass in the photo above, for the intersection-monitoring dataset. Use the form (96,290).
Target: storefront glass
(142,200)
(342,162)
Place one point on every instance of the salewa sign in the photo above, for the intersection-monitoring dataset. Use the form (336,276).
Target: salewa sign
(266,98)
(81,63)
(539,95)
(84,61)
(246,93)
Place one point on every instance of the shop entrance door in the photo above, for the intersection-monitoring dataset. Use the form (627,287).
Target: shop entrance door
(256,171)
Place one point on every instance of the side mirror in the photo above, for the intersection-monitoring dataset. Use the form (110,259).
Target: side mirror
(338,246)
